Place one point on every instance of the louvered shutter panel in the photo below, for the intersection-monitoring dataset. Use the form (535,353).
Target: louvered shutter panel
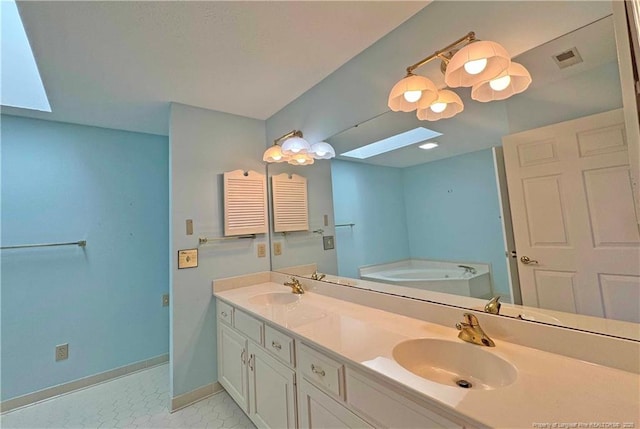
(290,207)
(245,203)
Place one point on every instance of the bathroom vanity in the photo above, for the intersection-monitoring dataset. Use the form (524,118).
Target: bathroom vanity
(313,360)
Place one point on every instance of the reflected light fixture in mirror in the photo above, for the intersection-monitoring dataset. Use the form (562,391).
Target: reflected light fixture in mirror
(296,150)
(512,81)
(447,105)
(467,62)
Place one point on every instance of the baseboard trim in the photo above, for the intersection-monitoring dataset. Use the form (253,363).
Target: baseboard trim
(81,383)
(186,399)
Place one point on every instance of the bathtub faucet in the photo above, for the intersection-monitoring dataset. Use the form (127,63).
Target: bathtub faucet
(468,269)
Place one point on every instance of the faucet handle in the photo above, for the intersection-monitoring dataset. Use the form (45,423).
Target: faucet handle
(470,319)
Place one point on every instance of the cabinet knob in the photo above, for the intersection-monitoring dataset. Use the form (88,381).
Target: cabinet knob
(317,370)
(224,313)
(276,345)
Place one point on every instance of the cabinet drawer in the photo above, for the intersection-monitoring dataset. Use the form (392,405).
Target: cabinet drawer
(249,326)
(279,344)
(225,312)
(387,409)
(321,370)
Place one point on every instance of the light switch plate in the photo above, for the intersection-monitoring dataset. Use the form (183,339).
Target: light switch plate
(277,248)
(328,243)
(189,227)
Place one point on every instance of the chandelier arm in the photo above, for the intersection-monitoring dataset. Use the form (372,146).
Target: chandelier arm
(294,133)
(469,37)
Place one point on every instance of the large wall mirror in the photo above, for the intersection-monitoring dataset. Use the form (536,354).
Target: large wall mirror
(437,224)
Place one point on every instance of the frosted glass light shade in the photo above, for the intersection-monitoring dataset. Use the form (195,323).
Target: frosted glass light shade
(520,81)
(301,159)
(322,150)
(453,103)
(274,154)
(497,57)
(398,102)
(295,145)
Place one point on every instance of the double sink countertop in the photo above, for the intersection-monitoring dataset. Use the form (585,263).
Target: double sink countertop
(549,388)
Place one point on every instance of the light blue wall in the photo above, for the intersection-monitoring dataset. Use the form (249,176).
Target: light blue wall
(204,144)
(372,198)
(63,182)
(453,212)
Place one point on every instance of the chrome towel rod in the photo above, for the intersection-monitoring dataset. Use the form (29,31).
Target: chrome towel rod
(205,240)
(81,243)
(350,225)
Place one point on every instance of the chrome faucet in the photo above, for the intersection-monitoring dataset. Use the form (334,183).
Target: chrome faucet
(468,269)
(317,276)
(471,332)
(493,306)
(295,286)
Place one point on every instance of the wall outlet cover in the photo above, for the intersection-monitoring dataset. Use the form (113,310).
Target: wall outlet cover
(165,300)
(262,250)
(62,352)
(277,248)
(328,242)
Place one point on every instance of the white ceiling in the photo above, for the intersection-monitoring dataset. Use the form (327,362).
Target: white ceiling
(119,64)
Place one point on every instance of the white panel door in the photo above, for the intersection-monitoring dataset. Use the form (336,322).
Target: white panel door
(574,218)
(232,369)
(272,393)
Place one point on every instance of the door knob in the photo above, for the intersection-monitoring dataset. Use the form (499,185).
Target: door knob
(527,261)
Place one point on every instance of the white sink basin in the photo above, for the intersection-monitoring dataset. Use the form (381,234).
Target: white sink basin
(275,298)
(448,362)
(289,309)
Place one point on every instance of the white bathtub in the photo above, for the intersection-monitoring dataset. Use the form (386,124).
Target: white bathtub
(437,276)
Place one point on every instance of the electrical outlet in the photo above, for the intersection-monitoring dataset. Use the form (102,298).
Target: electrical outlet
(62,352)
(262,250)
(165,300)
(277,248)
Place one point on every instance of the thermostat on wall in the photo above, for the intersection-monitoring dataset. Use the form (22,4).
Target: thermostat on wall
(187,258)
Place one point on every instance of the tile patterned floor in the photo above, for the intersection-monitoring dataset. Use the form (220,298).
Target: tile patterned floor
(138,400)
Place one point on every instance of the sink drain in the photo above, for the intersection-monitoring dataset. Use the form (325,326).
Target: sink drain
(464,384)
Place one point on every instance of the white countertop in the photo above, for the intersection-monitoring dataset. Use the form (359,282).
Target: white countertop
(549,389)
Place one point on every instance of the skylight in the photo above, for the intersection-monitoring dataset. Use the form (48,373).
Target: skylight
(21,83)
(398,141)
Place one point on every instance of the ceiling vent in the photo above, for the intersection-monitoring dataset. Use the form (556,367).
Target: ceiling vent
(567,58)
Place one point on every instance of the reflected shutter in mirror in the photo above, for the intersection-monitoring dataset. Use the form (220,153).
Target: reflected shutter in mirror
(290,206)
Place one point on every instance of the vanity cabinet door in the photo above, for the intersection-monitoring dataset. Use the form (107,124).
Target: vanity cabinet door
(319,411)
(232,364)
(272,393)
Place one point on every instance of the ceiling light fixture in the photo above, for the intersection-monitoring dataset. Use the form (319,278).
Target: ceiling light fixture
(484,65)
(296,150)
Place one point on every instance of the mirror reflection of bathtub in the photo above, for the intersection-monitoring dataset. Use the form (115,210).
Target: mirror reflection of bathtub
(458,278)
